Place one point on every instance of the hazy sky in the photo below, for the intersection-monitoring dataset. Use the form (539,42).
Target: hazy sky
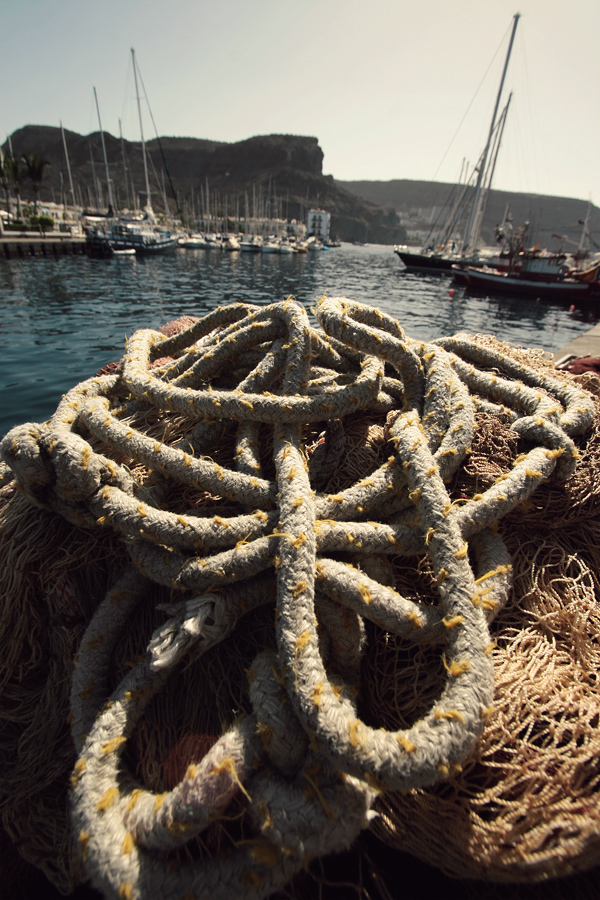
(391,88)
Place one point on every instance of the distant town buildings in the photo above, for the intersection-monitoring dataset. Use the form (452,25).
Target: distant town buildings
(318,222)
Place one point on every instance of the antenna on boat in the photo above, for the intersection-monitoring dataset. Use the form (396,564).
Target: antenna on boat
(110,203)
(490,136)
(137,94)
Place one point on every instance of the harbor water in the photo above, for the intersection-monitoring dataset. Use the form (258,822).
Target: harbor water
(64,319)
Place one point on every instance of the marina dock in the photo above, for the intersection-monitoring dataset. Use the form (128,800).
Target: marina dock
(18,246)
(587,344)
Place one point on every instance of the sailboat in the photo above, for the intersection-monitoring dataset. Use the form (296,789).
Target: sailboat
(142,236)
(443,250)
(543,274)
(126,233)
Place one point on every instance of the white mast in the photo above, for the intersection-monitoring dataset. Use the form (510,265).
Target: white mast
(489,140)
(62,131)
(127,193)
(137,94)
(477,220)
(110,203)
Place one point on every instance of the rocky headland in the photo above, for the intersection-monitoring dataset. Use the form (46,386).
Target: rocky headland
(281,173)
(276,175)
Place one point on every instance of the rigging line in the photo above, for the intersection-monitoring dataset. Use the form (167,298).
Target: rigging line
(466,113)
(160,145)
(537,157)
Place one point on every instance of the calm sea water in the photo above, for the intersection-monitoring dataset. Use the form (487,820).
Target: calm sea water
(62,320)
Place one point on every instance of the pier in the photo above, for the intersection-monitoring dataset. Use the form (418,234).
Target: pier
(51,245)
(587,344)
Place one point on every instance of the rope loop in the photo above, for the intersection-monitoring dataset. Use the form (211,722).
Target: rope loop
(211,454)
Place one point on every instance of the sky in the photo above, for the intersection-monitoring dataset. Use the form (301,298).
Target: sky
(391,88)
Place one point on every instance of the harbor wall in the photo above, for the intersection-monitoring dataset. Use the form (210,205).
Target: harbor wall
(19,247)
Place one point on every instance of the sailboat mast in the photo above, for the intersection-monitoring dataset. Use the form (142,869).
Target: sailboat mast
(585,234)
(94,179)
(127,193)
(110,203)
(486,187)
(62,131)
(137,94)
(490,136)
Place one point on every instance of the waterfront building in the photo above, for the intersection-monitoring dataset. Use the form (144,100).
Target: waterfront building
(318,223)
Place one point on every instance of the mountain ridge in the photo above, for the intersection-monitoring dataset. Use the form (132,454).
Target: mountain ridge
(282,172)
(548,214)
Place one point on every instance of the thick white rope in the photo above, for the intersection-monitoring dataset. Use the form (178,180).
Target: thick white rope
(306,762)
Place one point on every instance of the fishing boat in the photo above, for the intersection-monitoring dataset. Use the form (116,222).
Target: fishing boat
(443,247)
(572,286)
(531,271)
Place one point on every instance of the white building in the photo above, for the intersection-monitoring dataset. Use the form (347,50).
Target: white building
(318,222)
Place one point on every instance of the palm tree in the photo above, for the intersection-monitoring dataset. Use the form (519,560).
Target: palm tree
(15,173)
(35,171)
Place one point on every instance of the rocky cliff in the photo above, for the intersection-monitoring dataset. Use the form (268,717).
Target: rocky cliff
(280,173)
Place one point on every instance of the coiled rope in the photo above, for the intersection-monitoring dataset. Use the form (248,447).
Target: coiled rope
(305,727)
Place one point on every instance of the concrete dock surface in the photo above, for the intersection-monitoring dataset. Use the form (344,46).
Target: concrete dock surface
(587,344)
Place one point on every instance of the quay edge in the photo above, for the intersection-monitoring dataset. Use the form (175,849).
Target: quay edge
(587,344)
(17,247)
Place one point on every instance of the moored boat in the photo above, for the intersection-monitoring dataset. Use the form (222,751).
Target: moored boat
(195,242)
(126,252)
(445,246)
(213,241)
(231,243)
(271,245)
(118,235)
(287,247)
(251,244)
(141,238)
(529,266)
(579,285)
(442,263)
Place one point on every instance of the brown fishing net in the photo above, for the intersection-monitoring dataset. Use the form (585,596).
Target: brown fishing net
(524,808)
(52,577)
